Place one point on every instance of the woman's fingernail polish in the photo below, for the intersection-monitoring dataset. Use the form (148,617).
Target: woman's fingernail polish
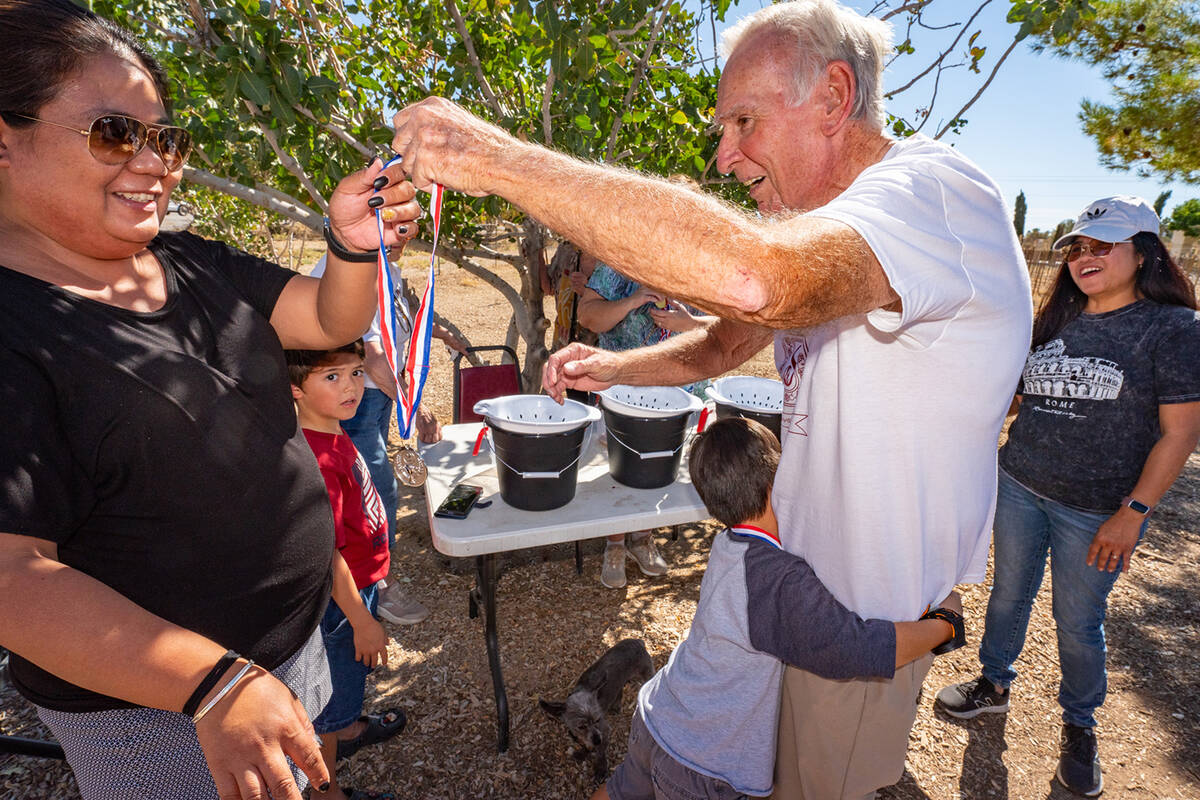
(402,229)
(375,202)
(380,182)
(324,787)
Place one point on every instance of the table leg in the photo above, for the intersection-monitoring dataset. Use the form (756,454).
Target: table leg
(578,558)
(485,594)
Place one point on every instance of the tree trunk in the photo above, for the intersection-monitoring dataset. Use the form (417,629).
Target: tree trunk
(532,246)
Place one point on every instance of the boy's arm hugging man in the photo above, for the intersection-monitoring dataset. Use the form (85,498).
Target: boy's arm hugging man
(796,619)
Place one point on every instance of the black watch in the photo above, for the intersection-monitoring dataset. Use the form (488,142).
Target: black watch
(956,621)
(339,249)
(1136,505)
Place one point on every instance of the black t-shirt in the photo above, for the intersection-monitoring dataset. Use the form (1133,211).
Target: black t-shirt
(160,451)
(1089,415)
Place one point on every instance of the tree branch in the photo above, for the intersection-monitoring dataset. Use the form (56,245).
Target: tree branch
(976,96)
(547,128)
(203,29)
(334,61)
(487,252)
(337,131)
(458,257)
(942,57)
(488,94)
(638,74)
(937,80)
(272,200)
(289,163)
(915,6)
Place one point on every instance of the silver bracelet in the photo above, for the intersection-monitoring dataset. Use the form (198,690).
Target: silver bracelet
(224,691)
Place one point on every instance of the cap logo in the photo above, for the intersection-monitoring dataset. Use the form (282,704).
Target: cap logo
(1096,212)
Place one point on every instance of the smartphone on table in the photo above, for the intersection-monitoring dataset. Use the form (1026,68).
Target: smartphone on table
(459,502)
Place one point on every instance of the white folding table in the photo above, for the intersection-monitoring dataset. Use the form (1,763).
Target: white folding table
(601,507)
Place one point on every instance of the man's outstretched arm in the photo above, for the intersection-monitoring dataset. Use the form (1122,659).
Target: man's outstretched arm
(779,274)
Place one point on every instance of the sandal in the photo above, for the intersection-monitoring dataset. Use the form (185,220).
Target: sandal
(379,728)
(358,794)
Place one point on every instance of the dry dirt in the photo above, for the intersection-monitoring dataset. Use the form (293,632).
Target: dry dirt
(553,623)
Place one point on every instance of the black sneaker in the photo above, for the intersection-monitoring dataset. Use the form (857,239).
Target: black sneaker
(1079,763)
(970,699)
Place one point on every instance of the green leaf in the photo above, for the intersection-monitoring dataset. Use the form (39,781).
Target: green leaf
(253,88)
(583,122)
(679,118)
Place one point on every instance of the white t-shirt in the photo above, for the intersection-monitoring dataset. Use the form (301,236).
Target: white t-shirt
(887,485)
(373,334)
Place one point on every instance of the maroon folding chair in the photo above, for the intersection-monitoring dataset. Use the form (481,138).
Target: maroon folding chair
(472,384)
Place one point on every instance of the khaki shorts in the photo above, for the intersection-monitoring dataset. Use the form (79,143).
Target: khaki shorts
(842,740)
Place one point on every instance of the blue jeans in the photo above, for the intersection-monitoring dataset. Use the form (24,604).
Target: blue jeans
(1026,527)
(349,675)
(368,429)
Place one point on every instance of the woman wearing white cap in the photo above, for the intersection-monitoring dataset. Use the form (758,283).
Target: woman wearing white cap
(1110,412)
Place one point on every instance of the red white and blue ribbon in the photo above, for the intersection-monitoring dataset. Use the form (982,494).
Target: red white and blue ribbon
(757,533)
(392,326)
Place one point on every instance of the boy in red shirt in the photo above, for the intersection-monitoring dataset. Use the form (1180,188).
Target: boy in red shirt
(327,387)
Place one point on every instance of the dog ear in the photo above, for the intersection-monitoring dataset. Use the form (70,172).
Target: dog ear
(554,710)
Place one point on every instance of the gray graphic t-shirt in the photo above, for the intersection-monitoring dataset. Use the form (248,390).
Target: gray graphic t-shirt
(1089,416)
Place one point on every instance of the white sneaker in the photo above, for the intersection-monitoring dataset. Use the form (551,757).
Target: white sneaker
(399,609)
(645,553)
(612,571)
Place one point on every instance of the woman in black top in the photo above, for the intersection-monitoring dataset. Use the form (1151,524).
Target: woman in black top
(1109,413)
(158,504)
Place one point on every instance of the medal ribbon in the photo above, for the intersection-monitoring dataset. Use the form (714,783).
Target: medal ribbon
(757,533)
(416,364)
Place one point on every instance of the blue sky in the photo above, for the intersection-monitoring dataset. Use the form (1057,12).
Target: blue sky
(1024,131)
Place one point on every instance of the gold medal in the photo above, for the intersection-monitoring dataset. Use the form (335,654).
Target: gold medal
(410,469)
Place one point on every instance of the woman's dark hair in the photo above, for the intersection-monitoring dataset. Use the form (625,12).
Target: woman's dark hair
(1159,279)
(732,465)
(301,363)
(46,42)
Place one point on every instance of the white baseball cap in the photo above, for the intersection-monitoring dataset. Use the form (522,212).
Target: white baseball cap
(1113,219)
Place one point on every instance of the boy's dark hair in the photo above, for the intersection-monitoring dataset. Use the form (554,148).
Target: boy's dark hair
(732,465)
(301,363)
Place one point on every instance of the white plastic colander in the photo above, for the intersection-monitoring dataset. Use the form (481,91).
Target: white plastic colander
(535,414)
(649,402)
(747,393)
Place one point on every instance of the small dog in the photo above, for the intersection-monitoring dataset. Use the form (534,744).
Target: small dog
(597,692)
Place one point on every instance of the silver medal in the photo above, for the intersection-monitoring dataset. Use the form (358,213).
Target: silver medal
(410,469)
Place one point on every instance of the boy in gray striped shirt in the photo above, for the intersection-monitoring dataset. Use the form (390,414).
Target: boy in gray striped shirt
(706,722)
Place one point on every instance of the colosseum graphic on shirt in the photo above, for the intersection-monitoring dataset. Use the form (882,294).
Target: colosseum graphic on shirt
(1089,413)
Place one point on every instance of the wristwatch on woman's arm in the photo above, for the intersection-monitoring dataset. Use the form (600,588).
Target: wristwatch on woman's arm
(956,622)
(1136,505)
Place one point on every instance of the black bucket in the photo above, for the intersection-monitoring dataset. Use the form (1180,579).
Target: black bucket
(631,437)
(523,461)
(773,420)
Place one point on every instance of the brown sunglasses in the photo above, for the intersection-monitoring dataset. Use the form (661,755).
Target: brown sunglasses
(1100,249)
(116,139)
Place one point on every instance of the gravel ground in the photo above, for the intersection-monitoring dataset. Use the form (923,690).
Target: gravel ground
(553,623)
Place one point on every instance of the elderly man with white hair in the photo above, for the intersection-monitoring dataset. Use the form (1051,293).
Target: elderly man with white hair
(890,280)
